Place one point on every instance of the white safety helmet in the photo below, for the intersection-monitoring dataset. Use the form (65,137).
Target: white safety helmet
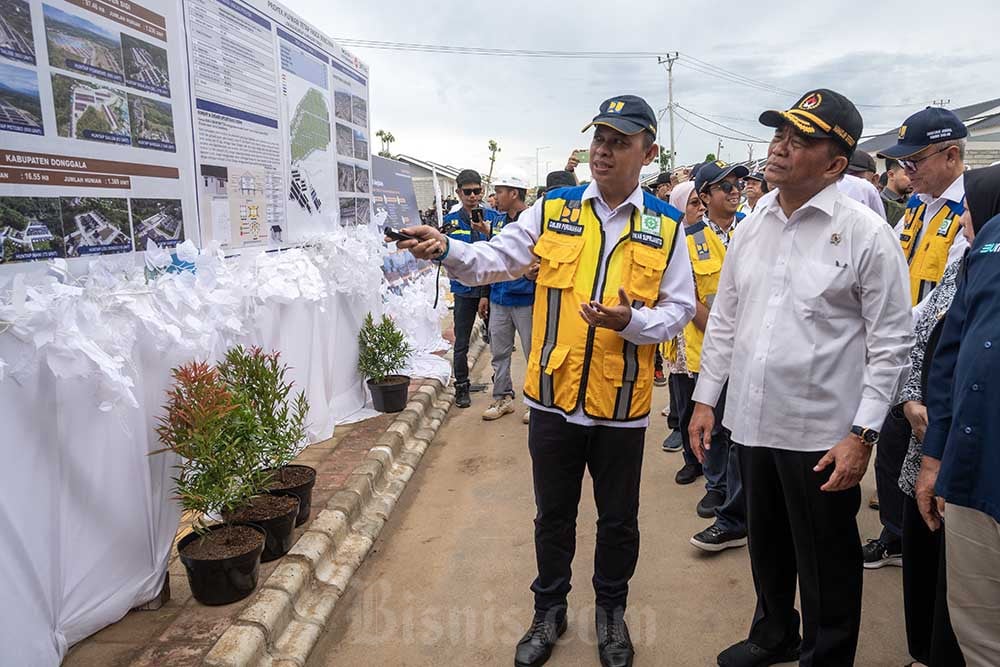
(511,179)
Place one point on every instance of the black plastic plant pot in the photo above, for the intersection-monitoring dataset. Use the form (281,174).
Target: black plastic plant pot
(278,530)
(217,581)
(391,394)
(301,489)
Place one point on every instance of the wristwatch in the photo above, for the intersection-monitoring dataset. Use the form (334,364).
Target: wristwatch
(868,436)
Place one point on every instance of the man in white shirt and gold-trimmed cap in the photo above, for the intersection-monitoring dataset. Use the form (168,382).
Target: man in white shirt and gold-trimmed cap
(812,329)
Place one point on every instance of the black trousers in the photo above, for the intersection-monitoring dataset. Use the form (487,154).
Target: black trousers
(560,452)
(465,318)
(929,636)
(682,386)
(674,414)
(797,530)
(894,439)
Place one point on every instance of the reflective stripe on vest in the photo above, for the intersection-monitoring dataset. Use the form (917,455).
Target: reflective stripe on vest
(926,246)
(573,364)
(707,254)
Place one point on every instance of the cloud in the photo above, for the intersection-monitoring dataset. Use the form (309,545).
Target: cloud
(445,107)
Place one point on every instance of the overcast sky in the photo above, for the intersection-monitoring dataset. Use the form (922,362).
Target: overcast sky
(445,108)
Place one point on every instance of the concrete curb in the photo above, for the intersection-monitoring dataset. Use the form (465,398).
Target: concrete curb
(283,623)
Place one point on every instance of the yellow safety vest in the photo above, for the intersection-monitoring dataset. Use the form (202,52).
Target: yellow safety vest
(927,254)
(707,254)
(572,363)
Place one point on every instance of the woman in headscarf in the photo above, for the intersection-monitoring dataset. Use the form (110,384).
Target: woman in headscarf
(929,635)
(686,200)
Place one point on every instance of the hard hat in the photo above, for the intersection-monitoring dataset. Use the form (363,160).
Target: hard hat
(511,179)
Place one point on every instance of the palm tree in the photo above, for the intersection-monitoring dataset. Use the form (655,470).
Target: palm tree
(387,140)
(494,148)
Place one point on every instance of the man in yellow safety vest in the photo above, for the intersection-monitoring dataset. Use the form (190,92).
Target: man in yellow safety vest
(931,151)
(614,281)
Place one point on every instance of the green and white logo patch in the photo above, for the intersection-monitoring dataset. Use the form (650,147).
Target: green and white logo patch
(651,224)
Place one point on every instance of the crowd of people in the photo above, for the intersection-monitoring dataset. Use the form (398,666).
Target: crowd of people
(806,315)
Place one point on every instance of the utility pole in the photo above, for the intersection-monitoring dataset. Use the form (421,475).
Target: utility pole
(538,150)
(718,151)
(750,152)
(669,60)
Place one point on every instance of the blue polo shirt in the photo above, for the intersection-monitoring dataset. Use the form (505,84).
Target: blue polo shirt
(519,292)
(963,393)
(461,230)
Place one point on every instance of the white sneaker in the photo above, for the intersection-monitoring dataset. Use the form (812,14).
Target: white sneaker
(527,416)
(499,408)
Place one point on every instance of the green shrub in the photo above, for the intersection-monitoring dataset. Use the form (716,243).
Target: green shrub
(382,349)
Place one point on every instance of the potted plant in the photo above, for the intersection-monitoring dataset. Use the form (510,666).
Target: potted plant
(382,352)
(214,435)
(258,378)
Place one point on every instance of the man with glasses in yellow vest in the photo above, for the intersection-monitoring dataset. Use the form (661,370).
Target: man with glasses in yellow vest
(931,151)
(614,281)
(718,185)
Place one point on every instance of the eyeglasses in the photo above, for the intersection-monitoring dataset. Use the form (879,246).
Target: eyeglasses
(726,186)
(470,192)
(911,165)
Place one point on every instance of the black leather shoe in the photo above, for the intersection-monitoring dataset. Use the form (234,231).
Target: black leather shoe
(536,645)
(462,398)
(706,506)
(613,643)
(689,473)
(748,654)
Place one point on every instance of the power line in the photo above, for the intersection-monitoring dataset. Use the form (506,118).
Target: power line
(717,134)
(482,51)
(737,75)
(725,127)
(692,63)
(729,79)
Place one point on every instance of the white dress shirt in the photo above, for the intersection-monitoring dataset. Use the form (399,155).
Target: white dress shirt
(509,254)
(811,324)
(954,193)
(862,191)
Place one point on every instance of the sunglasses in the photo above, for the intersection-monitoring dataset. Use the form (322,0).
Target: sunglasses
(469,192)
(912,165)
(726,187)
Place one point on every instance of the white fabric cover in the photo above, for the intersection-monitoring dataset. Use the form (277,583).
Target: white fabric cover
(86,515)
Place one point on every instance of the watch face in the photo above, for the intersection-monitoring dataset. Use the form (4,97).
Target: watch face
(871,436)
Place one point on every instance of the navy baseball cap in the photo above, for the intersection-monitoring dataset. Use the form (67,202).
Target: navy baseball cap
(711,173)
(628,114)
(756,176)
(821,114)
(930,126)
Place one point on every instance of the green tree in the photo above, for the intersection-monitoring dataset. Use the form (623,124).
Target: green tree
(387,140)
(710,157)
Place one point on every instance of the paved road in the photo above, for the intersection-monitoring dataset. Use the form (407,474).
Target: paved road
(447,582)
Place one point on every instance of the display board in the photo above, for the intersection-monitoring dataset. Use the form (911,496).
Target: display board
(280,117)
(95,142)
(395,204)
(210,120)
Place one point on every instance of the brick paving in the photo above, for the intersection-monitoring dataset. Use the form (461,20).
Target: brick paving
(182,631)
